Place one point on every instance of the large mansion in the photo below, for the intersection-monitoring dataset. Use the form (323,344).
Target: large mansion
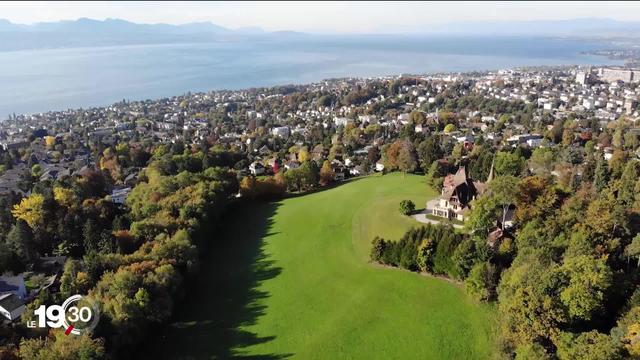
(458,190)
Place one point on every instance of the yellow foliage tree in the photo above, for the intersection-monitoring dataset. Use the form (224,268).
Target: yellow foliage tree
(64,197)
(50,141)
(632,340)
(30,209)
(303,155)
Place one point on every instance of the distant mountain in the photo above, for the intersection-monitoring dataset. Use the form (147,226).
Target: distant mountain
(112,32)
(587,27)
(112,25)
(89,32)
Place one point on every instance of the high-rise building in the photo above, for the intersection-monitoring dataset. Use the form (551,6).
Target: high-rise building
(581,77)
(619,74)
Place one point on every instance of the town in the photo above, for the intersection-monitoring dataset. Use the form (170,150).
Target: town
(341,120)
(296,138)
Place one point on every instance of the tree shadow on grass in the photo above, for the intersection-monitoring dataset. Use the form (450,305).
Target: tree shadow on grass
(225,297)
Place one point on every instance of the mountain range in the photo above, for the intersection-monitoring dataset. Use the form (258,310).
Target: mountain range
(111,32)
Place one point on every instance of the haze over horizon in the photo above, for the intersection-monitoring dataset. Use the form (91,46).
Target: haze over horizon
(314,17)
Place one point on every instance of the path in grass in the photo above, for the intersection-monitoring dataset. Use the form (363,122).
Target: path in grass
(293,280)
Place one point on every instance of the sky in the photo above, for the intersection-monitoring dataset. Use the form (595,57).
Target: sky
(319,17)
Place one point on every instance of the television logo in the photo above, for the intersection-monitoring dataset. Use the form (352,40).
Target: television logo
(77,315)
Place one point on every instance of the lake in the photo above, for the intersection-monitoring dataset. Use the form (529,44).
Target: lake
(57,79)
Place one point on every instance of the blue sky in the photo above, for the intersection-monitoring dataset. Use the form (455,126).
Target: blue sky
(325,17)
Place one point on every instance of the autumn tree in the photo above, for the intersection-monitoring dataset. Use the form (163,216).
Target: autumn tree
(587,281)
(400,155)
(31,210)
(59,346)
(591,345)
(326,173)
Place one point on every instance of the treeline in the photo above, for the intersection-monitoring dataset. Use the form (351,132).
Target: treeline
(565,277)
(303,178)
(131,261)
(428,248)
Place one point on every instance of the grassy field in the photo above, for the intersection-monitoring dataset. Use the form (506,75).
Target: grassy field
(293,280)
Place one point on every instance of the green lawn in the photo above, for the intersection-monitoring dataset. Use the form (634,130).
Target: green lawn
(293,280)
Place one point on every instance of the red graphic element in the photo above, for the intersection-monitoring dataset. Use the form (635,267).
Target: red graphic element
(68,331)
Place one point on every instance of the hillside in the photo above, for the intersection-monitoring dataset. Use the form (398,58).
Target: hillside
(297,284)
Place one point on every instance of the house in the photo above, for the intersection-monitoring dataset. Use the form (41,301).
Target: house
(458,190)
(282,131)
(11,306)
(342,121)
(119,196)
(256,168)
(496,237)
(289,165)
(13,284)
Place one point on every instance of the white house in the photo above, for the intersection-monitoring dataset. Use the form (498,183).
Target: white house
(256,168)
(342,121)
(119,196)
(289,165)
(11,307)
(534,142)
(282,131)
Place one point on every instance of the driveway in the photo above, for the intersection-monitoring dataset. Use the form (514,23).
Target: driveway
(422,217)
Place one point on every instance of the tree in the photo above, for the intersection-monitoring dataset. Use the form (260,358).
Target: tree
(378,249)
(417,117)
(248,187)
(590,345)
(64,197)
(509,164)
(326,173)
(50,141)
(303,155)
(601,175)
(20,241)
(309,173)
(58,346)
(587,280)
(426,251)
(633,249)
(30,209)
(457,153)
(626,192)
(429,151)
(528,304)
(407,207)
(437,171)
(482,217)
(464,257)
(482,281)
(504,190)
(407,159)
(532,351)
(90,236)
(36,170)
(400,155)
(373,155)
